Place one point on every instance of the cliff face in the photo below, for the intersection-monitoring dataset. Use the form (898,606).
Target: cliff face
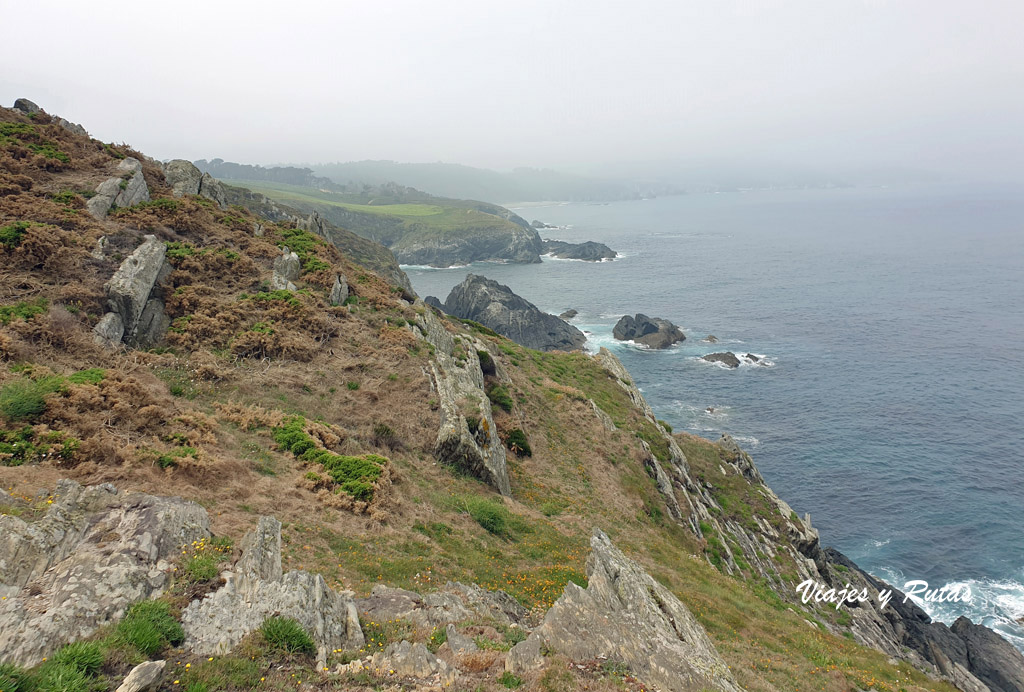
(399,449)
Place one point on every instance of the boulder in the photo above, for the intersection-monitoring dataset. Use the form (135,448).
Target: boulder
(727,359)
(94,553)
(626,616)
(135,296)
(256,589)
(27,107)
(497,307)
(651,332)
(109,331)
(144,677)
(183,177)
(413,661)
(126,190)
(711,339)
(339,292)
(213,190)
(569,314)
(459,643)
(73,128)
(287,266)
(588,251)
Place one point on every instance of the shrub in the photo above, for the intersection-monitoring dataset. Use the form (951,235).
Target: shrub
(22,310)
(353,475)
(149,627)
(25,399)
(498,394)
(85,656)
(90,376)
(353,386)
(509,680)
(385,436)
(491,516)
(516,442)
(286,635)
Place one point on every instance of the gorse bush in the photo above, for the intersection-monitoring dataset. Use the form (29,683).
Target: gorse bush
(149,627)
(286,635)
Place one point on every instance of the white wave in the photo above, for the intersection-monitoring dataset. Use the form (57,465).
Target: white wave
(551,258)
(428,268)
(747,440)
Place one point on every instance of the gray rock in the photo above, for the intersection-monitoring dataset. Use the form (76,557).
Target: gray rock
(339,292)
(626,616)
(459,382)
(144,677)
(569,314)
(256,589)
(134,294)
(73,128)
(257,229)
(100,251)
(497,307)
(94,553)
(728,359)
(433,302)
(213,190)
(414,661)
(287,265)
(459,643)
(588,251)
(711,339)
(454,602)
(109,331)
(990,658)
(744,464)
(126,190)
(653,333)
(525,656)
(27,107)
(279,283)
(183,177)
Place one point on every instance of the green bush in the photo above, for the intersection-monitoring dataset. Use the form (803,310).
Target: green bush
(25,399)
(491,516)
(90,376)
(286,635)
(149,627)
(516,442)
(353,475)
(85,656)
(201,568)
(22,310)
(12,234)
(509,680)
(61,677)
(498,394)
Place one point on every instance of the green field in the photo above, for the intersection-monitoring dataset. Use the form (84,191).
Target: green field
(296,193)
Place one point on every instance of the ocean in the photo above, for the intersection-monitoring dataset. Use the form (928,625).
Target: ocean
(892,321)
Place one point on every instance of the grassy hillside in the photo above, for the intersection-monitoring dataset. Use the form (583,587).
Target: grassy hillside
(205,416)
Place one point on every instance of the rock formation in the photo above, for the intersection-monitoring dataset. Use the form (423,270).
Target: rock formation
(588,251)
(452,603)
(27,107)
(256,589)
(126,190)
(651,332)
(569,314)
(135,299)
(728,359)
(144,677)
(94,553)
(495,306)
(287,269)
(339,291)
(467,437)
(626,616)
(183,177)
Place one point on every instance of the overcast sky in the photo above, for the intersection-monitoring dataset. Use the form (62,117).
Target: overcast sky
(932,84)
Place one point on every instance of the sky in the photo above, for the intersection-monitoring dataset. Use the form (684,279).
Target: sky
(935,85)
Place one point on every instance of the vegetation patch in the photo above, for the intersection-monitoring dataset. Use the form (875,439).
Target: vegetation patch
(285,635)
(149,627)
(499,396)
(516,442)
(23,310)
(12,234)
(25,445)
(27,136)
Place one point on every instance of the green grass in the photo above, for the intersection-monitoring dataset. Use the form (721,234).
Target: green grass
(149,627)
(287,636)
(25,399)
(12,234)
(85,656)
(23,310)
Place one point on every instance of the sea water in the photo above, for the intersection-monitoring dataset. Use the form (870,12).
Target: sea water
(891,407)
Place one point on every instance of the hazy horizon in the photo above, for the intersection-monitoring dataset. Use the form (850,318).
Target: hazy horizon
(923,86)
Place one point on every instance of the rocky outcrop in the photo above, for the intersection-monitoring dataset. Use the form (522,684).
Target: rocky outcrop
(27,107)
(588,251)
(433,302)
(339,291)
(94,553)
(627,617)
(495,306)
(990,658)
(651,332)
(287,268)
(73,128)
(135,299)
(452,603)
(568,314)
(728,359)
(183,177)
(406,661)
(256,589)
(213,190)
(467,437)
(126,190)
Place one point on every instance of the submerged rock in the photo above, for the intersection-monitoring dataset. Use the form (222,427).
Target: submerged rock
(626,616)
(495,306)
(651,332)
(727,359)
(569,314)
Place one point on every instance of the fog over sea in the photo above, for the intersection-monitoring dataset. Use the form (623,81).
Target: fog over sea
(892,319)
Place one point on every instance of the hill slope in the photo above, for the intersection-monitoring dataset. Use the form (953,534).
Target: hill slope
(395,445)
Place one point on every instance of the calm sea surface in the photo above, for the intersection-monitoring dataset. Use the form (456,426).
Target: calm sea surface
(893,321)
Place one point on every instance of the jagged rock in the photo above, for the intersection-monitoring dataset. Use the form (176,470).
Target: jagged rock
(459,643)
(569,314)
(588,251)
(100,251)
(752,357)
(711,339)
(183,177)
(339,292)
(134,295)
(727,359)
(109,331)
(126,190)
(413,661)
(27,107)
(497,307)
(144,677)
(433,302)
(94,553)
(314,223)
(653,333)
(459,382)
(73,128)
(992,659)
(279,283)
(287,265)
(213,190)
(257,229)
(741,459)
(256,589)
(452,603)
(624,615)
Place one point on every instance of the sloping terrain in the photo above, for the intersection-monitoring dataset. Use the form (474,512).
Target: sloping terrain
(363,428)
